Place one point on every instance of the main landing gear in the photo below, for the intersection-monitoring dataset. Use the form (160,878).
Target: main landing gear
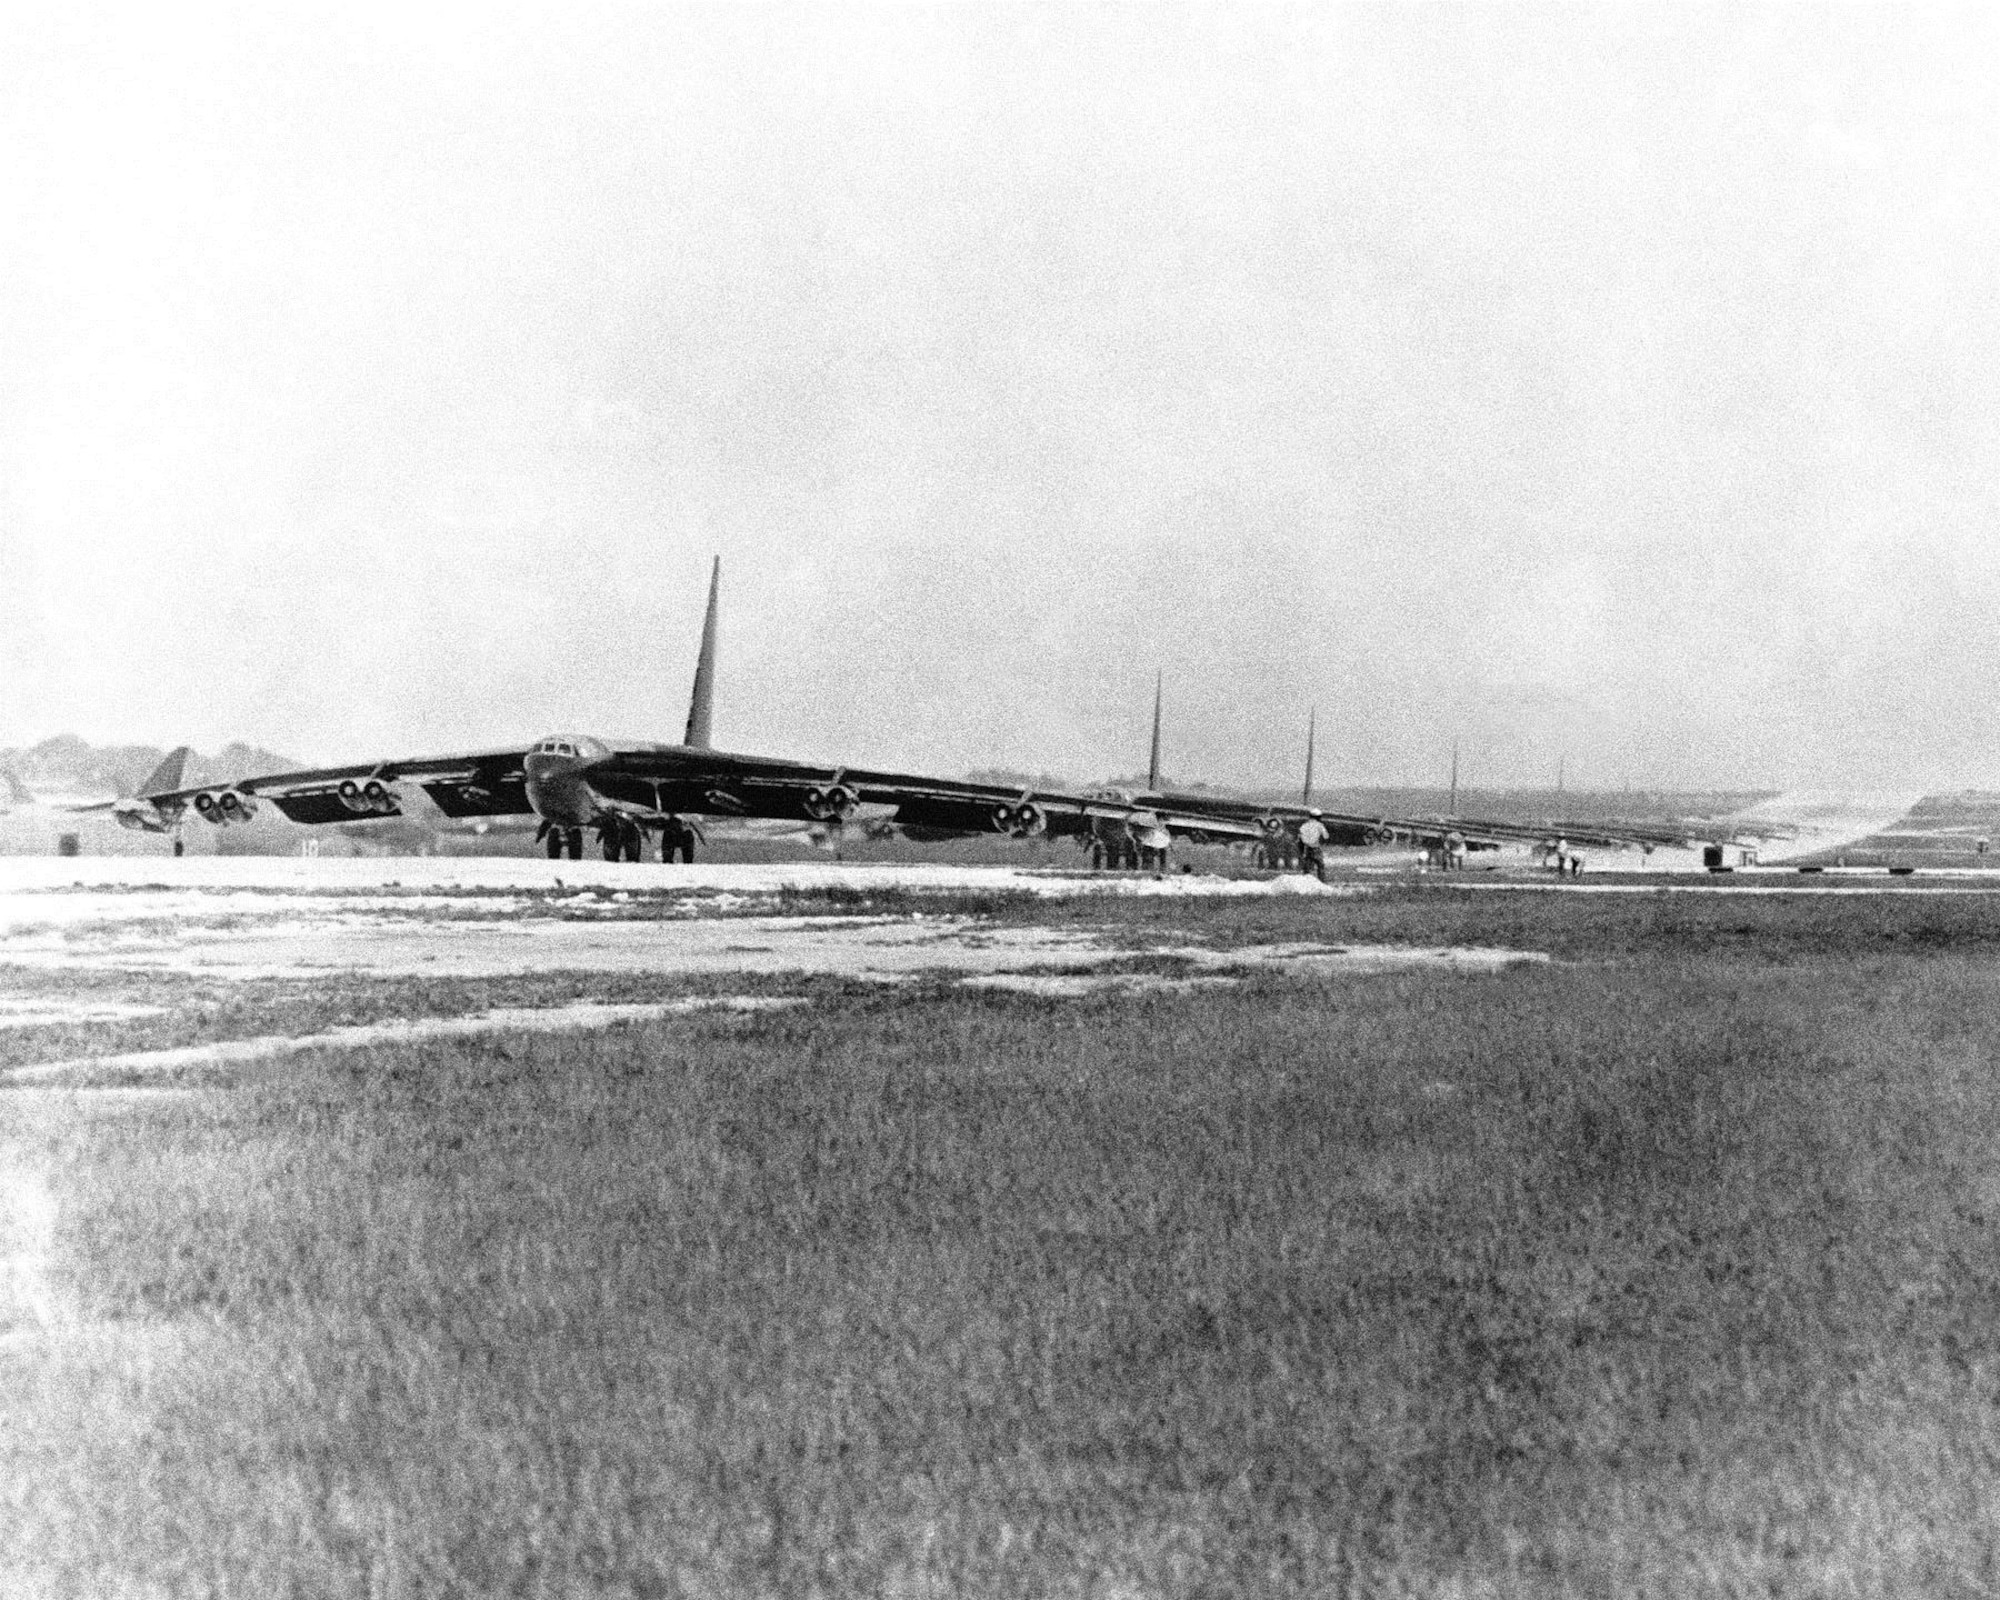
(1119,852)
(624,840)
(677,839)
(561,840)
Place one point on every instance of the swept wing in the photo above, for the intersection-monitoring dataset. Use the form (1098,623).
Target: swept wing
(651,782)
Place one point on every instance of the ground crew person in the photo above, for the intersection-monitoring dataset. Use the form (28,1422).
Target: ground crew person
(1312,845)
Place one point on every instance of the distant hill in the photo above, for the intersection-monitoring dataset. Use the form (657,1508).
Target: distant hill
(234,762)
(68,765)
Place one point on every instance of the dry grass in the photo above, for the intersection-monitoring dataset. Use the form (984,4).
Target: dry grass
(1671,1274)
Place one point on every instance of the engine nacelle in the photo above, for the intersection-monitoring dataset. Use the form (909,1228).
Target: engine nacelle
(366,799)
(833,803)
(235,807)
(1030,821)
(1272,826)
(1003,818)
(209,808)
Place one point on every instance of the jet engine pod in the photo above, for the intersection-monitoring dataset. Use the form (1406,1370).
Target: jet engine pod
(209,808)
(235,807)
(834,803)
(1003,819)
(351,796)
(1272,826)
(1030,821)
(375,796)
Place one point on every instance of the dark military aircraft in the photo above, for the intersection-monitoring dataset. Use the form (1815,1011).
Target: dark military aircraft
(1277,824)
(576,785)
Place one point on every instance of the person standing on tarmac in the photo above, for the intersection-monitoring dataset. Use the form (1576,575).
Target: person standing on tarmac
(1312,845)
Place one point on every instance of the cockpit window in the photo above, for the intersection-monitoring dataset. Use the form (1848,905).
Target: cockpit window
(565,749)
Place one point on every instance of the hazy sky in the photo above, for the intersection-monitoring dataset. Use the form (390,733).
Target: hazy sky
(1620,385)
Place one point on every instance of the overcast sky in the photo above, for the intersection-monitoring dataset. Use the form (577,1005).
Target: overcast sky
(1617,385)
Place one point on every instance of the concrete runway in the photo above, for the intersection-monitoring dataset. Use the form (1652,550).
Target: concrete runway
(248,917)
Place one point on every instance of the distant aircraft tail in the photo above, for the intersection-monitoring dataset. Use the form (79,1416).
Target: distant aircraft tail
(166,776)
(701,708)
(1153,765)
(1312,719)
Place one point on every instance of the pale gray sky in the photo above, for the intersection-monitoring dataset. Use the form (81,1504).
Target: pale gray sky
(1615,383)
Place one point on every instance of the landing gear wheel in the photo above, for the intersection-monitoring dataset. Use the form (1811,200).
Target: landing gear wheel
(575,838)
(634,842)
(555,844)
(676,840)
(614,843)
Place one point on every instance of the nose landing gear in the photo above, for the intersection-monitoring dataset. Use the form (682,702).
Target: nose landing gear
(562,841)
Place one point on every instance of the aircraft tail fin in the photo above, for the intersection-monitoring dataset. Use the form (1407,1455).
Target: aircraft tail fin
(1153,765)
(701,707)
(166,776)
(1312,718)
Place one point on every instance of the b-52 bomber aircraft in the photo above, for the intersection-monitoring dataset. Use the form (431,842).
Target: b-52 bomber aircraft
(576,785)
(1277,824)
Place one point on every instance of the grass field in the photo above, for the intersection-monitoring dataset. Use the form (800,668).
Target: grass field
(1671,1268)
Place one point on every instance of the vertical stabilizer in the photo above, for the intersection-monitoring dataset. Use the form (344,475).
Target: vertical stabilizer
(1454,777)
(166,776)
(701,707)
(1312,718)
(1153,766)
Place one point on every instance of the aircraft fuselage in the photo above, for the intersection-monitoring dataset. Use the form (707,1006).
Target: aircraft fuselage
(553,774)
